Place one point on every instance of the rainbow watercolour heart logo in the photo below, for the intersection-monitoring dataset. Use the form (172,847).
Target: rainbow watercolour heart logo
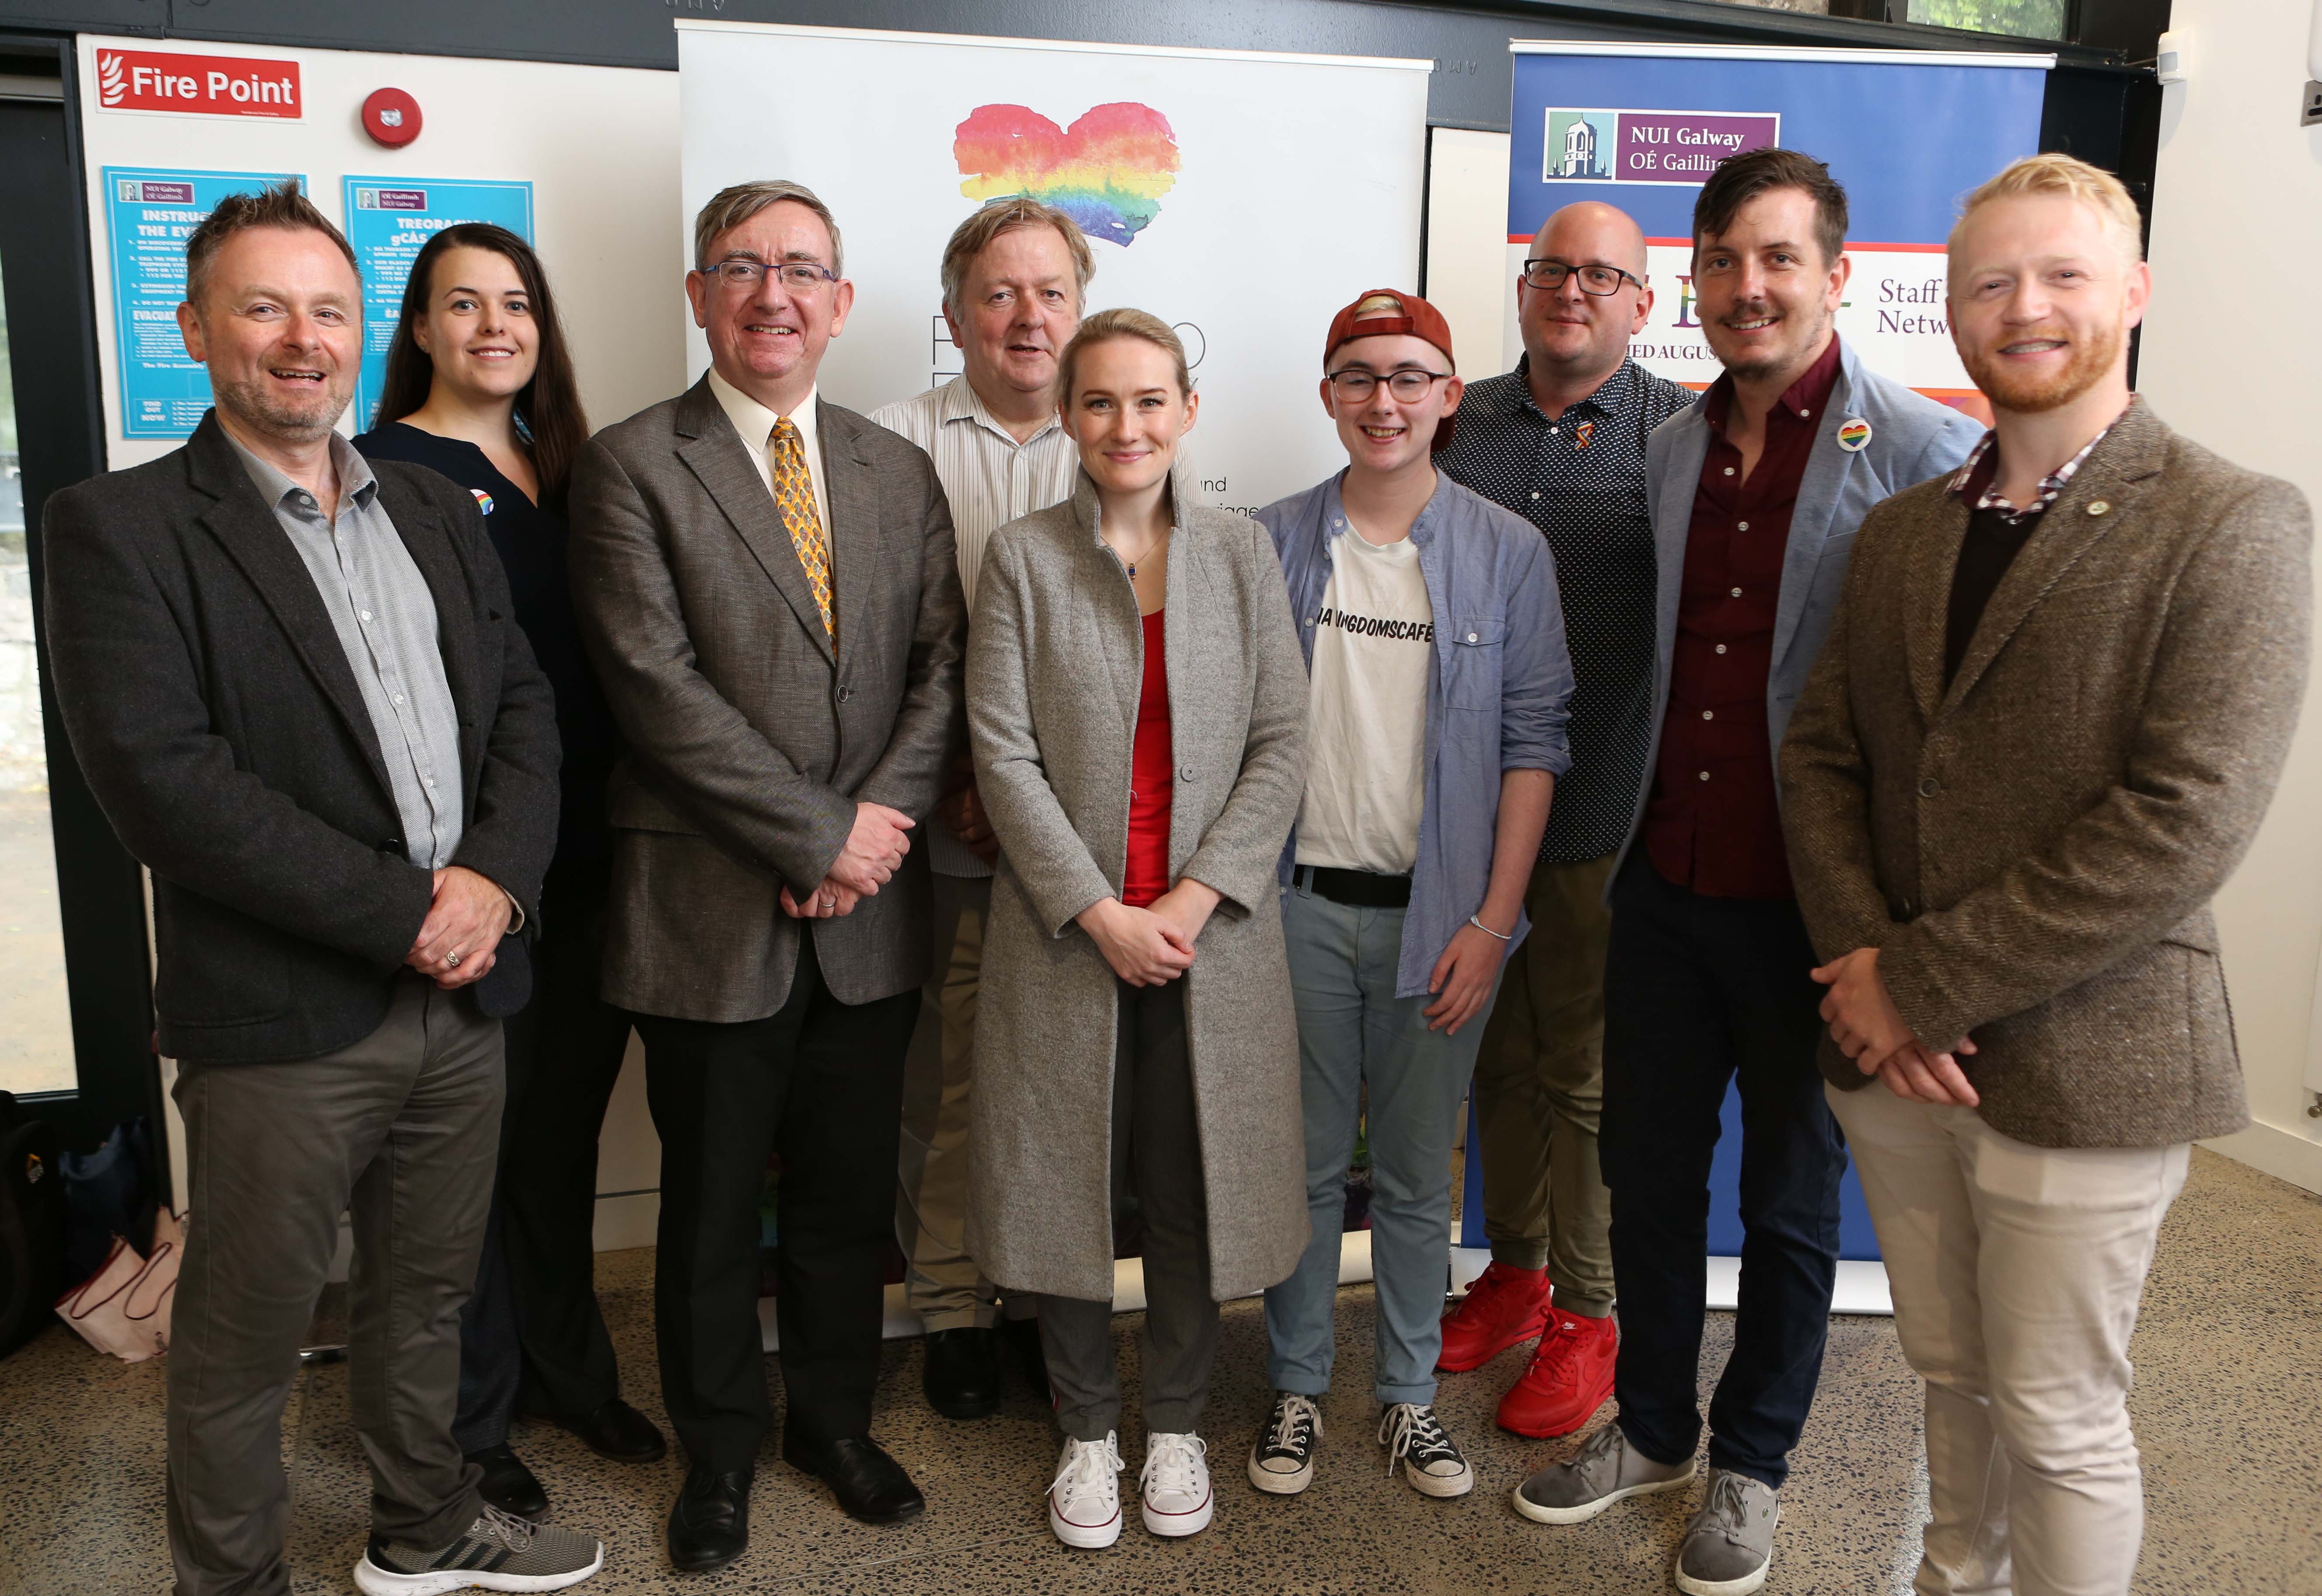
(1108,172)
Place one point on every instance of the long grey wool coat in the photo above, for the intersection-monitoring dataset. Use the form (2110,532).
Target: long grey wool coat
(1056,659)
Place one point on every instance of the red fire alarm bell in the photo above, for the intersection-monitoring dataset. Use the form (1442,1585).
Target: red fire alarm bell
(391,117)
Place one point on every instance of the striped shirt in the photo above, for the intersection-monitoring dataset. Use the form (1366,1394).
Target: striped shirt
(990,480)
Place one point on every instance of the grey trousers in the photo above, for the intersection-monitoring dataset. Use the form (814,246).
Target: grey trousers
(1156,1155)
(945,1287)
(402,1128)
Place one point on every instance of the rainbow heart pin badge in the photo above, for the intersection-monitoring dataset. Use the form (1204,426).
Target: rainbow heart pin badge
(1108,172)
(483,500)
(1853,432)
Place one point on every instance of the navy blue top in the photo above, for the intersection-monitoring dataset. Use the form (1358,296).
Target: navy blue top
(531,544)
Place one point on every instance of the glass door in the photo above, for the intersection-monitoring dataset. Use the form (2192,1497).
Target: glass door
(76,984)
(36,1047)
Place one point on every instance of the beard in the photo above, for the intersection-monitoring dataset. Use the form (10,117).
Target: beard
(294,419)
(2027,394)
(1801,333)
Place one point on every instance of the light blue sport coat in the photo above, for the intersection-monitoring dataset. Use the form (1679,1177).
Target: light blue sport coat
(1912,439)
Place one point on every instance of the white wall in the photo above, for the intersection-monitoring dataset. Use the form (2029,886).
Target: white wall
(1467,276)
(2231,347)
(599,145)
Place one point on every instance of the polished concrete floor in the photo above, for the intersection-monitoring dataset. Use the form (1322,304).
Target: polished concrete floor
(2228,1409)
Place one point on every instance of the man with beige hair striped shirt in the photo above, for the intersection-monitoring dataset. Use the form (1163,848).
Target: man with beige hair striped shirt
(1015,277)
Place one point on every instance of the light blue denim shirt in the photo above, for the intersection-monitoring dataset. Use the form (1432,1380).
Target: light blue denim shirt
(1495,703)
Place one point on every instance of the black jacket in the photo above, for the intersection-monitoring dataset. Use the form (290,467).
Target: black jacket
(212,709)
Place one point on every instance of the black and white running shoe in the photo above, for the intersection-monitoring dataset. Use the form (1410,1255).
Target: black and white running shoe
(1415,1437)
(1282,1463)
(499,1552)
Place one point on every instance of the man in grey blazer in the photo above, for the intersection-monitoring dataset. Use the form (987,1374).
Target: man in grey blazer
(1755,495)
(2050,718)
(767,586)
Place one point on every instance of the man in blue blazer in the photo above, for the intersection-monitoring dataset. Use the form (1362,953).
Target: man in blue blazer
(1755,495)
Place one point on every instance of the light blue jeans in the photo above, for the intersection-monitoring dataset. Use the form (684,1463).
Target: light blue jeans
(1352,1029)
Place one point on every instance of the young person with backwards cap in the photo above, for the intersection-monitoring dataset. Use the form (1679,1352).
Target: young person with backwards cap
(1438,682)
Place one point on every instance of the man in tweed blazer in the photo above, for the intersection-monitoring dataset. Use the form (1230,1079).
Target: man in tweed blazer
(766,585)
(2047,722)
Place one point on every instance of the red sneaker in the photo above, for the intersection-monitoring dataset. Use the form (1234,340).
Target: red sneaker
(1570,1377)
(1504,1306)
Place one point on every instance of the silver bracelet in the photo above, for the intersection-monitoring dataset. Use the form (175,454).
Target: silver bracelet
(1487,931)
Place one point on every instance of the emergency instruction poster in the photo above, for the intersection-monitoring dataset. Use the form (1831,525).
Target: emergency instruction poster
(389,220)
(148,215)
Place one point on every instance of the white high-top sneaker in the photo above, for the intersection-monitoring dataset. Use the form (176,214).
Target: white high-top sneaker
(1176,1484)
(1084,1498)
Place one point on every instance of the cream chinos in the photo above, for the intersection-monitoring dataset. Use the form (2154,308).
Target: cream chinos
(2016,1273)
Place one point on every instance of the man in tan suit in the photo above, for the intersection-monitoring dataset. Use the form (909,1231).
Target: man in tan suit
(767,588)
(2045,728)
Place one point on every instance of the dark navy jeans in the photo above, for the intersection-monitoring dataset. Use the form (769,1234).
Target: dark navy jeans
(1700,992)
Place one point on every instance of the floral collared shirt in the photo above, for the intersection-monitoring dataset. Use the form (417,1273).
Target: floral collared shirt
(1978,480)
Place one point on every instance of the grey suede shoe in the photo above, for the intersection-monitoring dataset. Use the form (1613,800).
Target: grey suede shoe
(1729,1543)
(1604,1471)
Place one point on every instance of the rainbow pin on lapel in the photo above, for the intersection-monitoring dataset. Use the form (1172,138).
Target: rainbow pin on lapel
(483,500)
(1854,434)
(1582,433)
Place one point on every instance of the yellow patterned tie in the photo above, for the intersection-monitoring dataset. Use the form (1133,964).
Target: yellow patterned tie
(794,497)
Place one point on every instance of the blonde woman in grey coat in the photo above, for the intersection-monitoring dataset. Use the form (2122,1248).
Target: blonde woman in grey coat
(1138,704)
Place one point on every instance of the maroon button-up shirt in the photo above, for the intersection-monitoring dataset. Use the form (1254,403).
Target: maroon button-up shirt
(1712,824)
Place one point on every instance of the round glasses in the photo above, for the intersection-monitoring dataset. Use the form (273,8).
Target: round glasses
(799,277)
(1599,280)
(1354,386)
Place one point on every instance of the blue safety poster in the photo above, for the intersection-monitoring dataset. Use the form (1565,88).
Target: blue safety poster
(148,214)
(389,220)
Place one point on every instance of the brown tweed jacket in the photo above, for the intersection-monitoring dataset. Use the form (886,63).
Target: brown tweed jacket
(2033,848)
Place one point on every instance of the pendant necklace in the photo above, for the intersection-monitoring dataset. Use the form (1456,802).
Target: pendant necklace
(1145,553)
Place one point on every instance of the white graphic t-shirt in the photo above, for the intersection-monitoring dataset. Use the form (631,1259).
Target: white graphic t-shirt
(1367,703)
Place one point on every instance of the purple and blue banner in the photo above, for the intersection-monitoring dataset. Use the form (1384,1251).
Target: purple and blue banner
(1907,133)
(1642,126)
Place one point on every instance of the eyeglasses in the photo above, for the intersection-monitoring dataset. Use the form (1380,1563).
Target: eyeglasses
(1599,280)
(799,277)
(1356,386)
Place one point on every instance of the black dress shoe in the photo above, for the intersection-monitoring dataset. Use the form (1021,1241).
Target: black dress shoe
(1023,1338)
(507,1484)
(614,1429)
(709,1526)
(963,1373)
(869,1484)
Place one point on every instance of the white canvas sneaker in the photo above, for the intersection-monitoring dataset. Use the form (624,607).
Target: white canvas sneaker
(1085,1497)
(1175,1482)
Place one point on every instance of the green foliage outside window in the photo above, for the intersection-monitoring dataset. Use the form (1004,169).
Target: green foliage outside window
(2027,19)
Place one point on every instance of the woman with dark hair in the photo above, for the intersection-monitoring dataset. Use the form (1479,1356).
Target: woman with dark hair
(479,388)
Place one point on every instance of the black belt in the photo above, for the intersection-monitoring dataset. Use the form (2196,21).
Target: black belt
(1356,888)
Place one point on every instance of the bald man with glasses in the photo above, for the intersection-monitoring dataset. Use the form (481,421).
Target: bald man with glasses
(1561,442)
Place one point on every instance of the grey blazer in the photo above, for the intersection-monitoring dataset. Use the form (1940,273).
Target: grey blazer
(2032,845)
(746,745)
(1911,438)
(1056,659)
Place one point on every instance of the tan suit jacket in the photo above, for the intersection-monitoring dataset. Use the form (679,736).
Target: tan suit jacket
(747,744)
(2033,847)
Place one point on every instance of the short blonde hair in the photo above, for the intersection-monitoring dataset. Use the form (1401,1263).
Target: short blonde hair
(980,230)
(728,209)
(2071,177)
(1124,323)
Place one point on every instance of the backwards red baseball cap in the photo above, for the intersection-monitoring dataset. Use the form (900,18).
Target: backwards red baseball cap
(1384,313)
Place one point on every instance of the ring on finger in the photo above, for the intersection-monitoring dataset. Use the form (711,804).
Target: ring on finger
(452,959)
